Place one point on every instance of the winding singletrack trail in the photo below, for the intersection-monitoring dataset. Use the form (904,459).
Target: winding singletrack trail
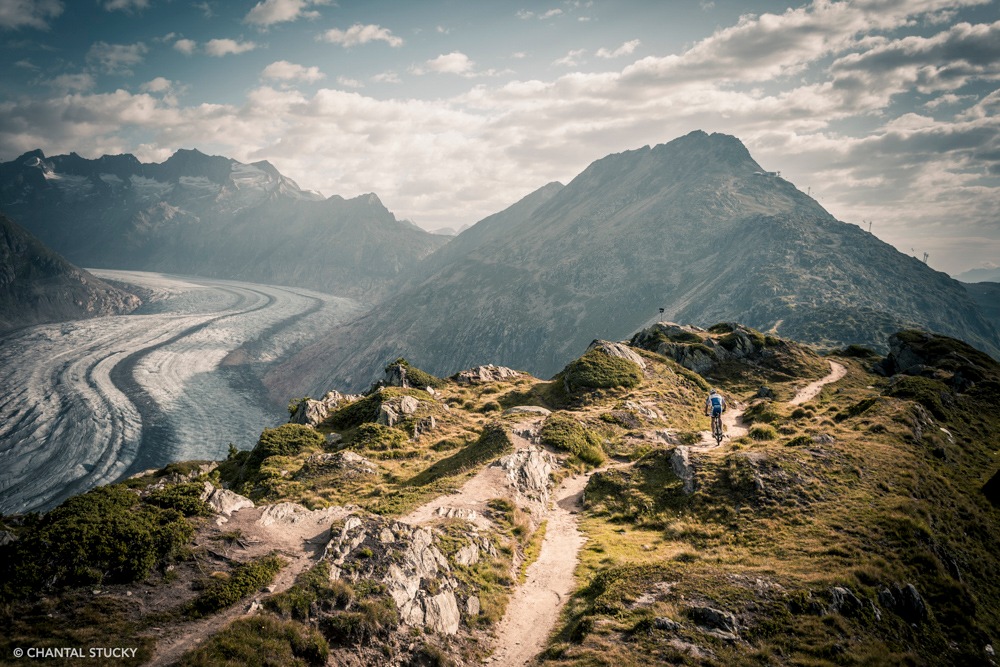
(534,608)
(811,390)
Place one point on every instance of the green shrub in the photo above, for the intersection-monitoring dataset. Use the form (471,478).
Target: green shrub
(859,352)
(260,640)
(312,590)
(565,433)
(721,327)
(370,618)
(597,370)
(763,432)
(799,441)
(245,579)
(356,412)
(379,438)
(416,377)
(185,498)
(105,535)
(929,393)
(285,440)
(763,412)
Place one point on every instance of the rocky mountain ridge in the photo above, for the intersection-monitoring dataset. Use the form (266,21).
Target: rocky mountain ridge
(695,227)
(210,216)
(38,286)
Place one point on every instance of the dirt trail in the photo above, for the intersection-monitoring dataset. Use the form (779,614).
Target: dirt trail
(810,391)
(297,536)
(534,608)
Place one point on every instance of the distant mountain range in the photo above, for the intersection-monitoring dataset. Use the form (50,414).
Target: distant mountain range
(980,276)
(210,216)
(695,227)
(38,286)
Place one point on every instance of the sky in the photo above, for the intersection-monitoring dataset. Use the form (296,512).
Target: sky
(886,111)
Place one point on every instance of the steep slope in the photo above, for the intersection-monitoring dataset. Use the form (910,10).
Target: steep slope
(38,286)
(210,216)
(694,226)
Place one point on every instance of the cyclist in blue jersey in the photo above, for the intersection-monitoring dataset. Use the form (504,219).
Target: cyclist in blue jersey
(715,405)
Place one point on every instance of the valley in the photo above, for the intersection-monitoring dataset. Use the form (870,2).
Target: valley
(85,402)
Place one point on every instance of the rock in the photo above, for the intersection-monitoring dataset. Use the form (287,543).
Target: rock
(644,410)
(457,513)
(664,623)
(714,619)
(692,650)
(472,606)
(441,613)
(224,501)
(843,601)
(765,392)
(907,603)
(486,374)
(351,462)
(333,439)
(425,425)
(311,412)
(467,555)
(395,376)
(620,350)
(529,471)
(6,537)
(680,460)
(992,489)
(393,410)
(288,514)
(528,410)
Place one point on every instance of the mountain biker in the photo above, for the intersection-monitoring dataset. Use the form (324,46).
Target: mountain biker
(715,404)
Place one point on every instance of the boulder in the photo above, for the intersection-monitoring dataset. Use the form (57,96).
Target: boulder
(395,376)
(472,605)
(425,425)
(224,501)
(486,374)
(528,410)
(6,537)
(843,601)
(714,619)
(620,350)
(529,471)
(391,412)
(664,623)
(311,412)
(905,601)
(680,461)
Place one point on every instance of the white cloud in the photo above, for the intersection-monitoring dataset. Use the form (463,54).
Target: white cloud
(157,85)
(282,70)
(270,12)
(455,62)
(526,15)
(348,82)
(186,46)
(206,9)
(571,59)
(16,14)
(361,34)
(116,58)
(387,77)
(125,5)
(519,55)
(224,47)
(623,50)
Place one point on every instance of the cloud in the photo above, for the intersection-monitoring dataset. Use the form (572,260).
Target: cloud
(623,50)
(526,15)
(455,62)
(361,34)
(571,59)
(15,14)
(125,5)
(206,9)
(116,58)
(66,83)
(224,47)
(387,77)
(186,46)
(157,85)
(282,70)
(348,82)
(270,12)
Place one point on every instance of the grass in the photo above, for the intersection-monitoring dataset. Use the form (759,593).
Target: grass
(244,580)
(597,370)
(260,641)
(564,433)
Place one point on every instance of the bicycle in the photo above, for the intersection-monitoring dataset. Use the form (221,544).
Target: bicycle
(717,429)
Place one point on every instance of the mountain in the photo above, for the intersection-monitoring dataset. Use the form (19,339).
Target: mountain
(695,227)
(39,286)
(210,216)
(979,276)
(850,516)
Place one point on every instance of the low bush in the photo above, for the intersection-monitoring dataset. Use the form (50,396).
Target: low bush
(379,438)
(185,498)
(285,440)
(763,432)
(566,434)
(597,370)
(107,535)
(261,640)
(416,377)
(245,579)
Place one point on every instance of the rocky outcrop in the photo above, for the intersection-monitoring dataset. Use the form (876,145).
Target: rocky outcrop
(390,412)
(485,374)
(905,601)
(224,501)
(529,471)
(311,412)
(620,350)
(409,562)
(720,623)
(351,463)
(992,489)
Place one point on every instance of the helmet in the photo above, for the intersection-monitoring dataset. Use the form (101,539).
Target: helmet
(714,391)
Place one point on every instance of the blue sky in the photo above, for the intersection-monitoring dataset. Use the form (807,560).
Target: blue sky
(886,110)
